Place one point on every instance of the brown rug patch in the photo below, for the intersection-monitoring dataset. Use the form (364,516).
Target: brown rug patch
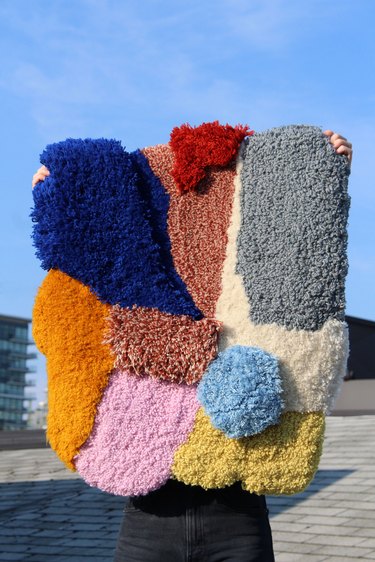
(197,224)
(147,341)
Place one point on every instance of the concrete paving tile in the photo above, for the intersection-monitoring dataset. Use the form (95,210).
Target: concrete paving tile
(349,464)
(324,520)
(368,543)
(284,536)
(87,527)
(86,553)
(14,547)
(365,505)
(41,524)
(108,558)
(335,530)
(362,490)
(362,522)
(102,534)
(59,510)
(346,479)
(348,497)
(6,507)
(368,532)
(361,513)
(307,510)
(337,445)
(286,516)
(14,556)
(353,551)
(90,543)
(280,500)
(367,474)
(5,539)
(340,559)
(45,558)
(51,518)
(323,503)
(112,536)
(291,546)
(10,493)
(44,541)
(344,487)
(95,512)
(14,532)
(285,526)
(323,494)
(336,541)
(77,518)
(294,557)
(51,550)
(52,533)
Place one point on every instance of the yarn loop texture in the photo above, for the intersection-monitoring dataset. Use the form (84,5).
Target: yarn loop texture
(192,315)
(241,391)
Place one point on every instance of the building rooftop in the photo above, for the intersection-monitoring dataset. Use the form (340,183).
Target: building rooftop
(48,514)
(14,319)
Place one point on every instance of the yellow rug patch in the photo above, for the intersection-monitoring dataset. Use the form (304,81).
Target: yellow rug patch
(281,460)
(68,327)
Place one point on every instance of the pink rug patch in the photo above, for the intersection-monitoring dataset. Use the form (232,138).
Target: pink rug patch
(138,427)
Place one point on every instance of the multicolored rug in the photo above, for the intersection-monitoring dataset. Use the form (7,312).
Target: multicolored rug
(192,315)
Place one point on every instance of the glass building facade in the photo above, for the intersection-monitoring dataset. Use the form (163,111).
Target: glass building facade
(14,368)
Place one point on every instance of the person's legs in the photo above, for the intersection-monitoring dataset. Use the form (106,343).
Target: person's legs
(236,527)
(187,523)
(146,537)
(153,527)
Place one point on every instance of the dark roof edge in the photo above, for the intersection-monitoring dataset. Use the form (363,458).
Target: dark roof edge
(15,319)
(360,321)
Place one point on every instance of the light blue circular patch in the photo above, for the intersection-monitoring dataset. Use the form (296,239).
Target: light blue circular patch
(241,391)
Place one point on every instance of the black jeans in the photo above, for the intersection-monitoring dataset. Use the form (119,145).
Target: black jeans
(180,523)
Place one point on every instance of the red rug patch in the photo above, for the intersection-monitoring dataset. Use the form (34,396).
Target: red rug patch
(197,148)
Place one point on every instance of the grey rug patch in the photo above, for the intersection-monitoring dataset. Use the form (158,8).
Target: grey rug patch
(293,236)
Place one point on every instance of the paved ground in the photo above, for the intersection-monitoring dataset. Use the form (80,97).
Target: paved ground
(47,514)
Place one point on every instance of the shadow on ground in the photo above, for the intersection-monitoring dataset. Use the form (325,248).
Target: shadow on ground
(58,520)
(66,520)
(323,479)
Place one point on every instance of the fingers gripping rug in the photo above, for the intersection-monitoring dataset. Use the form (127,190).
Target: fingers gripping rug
(192,314)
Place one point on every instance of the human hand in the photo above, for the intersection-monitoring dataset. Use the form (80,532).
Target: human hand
(40,175)
(340,144)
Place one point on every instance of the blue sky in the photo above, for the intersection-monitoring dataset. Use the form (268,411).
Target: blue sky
(133,70)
